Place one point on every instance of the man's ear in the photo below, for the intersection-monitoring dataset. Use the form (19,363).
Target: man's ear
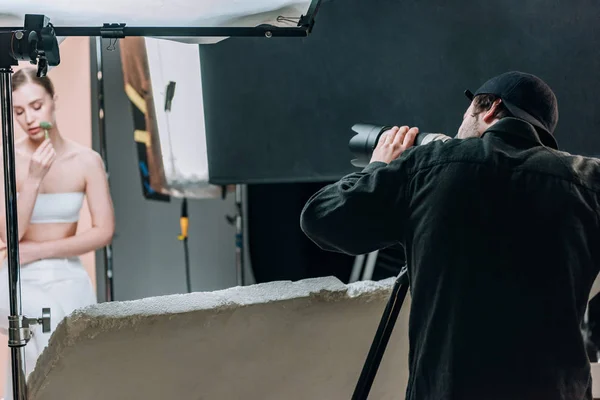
(490,115)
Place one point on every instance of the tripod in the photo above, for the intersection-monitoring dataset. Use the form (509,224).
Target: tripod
(382,336)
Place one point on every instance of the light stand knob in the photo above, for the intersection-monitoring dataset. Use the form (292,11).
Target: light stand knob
(45,320)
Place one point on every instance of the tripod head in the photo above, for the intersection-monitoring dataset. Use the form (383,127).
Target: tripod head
(35,43)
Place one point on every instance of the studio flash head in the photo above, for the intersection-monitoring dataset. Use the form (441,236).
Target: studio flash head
(367,136)
(35,43)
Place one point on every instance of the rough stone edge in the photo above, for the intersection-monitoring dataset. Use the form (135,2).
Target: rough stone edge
(82,322)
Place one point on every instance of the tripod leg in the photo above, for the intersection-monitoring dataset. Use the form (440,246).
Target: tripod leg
(382,336)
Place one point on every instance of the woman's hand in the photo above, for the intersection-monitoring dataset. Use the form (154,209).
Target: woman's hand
(41,161)
(28,252)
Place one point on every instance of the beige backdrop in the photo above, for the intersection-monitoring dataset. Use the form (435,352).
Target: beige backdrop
(74,118)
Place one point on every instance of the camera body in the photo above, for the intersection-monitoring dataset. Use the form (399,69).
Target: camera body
(35,43)
(367,136)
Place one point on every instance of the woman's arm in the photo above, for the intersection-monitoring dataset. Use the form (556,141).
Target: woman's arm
(27,193)
(101,209)
(40,163)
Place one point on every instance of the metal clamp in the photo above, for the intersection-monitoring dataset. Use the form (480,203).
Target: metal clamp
(112,31)
(19,327)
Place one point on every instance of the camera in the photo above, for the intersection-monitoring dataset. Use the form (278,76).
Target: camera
(35,43)
(367,136)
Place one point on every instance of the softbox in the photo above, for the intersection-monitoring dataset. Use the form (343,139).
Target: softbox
(149,14)
(162,81)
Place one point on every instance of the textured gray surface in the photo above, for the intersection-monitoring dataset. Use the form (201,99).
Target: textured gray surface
(596,380)
(279,340)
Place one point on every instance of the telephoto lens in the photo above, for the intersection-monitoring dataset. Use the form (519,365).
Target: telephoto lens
(367,136)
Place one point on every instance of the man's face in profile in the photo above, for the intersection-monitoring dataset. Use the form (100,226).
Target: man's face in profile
(471,125)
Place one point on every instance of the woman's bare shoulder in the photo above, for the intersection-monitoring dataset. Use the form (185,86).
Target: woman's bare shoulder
(82,154)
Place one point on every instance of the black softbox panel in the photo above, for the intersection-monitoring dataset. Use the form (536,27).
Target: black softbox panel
(281,110)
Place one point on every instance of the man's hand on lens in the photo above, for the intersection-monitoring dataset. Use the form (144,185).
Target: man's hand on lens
(394,142)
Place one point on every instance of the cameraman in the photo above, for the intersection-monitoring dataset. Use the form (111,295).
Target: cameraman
(501,231)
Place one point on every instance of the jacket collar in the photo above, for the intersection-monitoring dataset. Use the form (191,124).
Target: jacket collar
(518,127)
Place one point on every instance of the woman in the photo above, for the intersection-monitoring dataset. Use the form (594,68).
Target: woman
(54,175)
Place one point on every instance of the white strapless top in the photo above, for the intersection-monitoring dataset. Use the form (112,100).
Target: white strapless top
(57,207)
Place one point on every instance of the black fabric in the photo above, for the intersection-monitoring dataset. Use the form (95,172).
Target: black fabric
(278,248)
(501,235)
(387,62)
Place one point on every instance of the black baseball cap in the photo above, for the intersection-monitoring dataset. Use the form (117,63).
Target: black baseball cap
(526,97)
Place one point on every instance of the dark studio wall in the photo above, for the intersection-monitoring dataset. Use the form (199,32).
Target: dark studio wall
(283,108)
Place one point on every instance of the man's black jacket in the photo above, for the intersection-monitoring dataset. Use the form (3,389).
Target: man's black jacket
(502,241)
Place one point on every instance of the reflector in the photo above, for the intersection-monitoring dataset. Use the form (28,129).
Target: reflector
(163,83)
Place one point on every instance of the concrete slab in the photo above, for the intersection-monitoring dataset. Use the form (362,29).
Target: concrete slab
(280,340)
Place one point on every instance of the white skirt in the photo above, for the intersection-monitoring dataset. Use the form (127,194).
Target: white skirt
(62,284)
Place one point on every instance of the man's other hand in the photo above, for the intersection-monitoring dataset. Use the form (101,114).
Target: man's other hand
(394,142)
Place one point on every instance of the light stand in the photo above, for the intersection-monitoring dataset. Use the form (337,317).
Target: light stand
(15,342)
(382,336)
(239,235)
(107,252)
(184,223)
(238,220)
(17,45)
